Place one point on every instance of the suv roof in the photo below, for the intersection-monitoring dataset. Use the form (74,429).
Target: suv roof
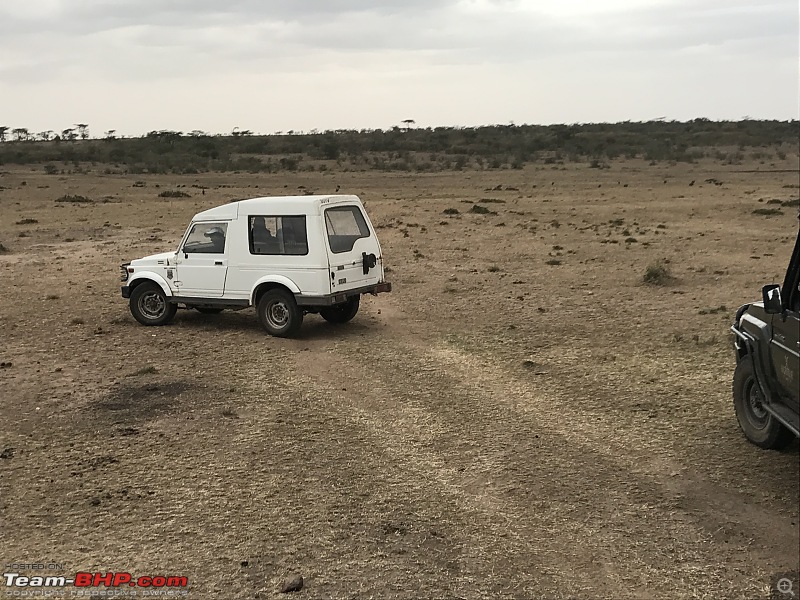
(273,204)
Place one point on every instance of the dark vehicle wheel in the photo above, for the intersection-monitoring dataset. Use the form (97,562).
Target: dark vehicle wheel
(341,313)
(150,305)
(279,313)
(759,426)
(208,310)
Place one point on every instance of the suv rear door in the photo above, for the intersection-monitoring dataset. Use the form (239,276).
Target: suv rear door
(354,253)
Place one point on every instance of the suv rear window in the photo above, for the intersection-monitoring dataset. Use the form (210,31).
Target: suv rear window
(278,235)
(345,225)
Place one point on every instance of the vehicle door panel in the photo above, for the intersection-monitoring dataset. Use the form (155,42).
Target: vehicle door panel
(202,264)
(785,354)
(350,240)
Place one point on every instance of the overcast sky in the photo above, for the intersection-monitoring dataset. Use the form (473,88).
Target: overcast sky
(279,65)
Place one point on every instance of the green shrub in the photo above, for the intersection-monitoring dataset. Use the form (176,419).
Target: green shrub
(657,274)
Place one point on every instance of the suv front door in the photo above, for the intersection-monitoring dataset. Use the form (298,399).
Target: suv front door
(201,263)
(785,354)
(785,343)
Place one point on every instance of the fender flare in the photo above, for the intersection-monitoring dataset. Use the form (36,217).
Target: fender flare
(279,279)
(149,276)
(757,335)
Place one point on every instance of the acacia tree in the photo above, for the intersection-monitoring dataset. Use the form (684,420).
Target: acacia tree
(68,134)
(83,130)
(3,130)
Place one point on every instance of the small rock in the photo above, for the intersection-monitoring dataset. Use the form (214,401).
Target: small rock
(293,585)
(7,453)
(58,369)
(95,501)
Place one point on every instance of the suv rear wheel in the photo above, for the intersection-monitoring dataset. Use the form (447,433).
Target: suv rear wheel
(758,425)
(279,313)
(341,313)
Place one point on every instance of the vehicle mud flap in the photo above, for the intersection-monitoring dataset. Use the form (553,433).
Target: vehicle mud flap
(368,261)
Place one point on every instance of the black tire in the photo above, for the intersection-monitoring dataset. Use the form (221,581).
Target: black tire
(150,305)
(758,426)
(279,314)
(208,310)
(341,313)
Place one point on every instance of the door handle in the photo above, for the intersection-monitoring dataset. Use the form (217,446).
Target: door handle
(218,262)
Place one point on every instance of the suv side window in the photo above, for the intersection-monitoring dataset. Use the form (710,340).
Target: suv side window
(345,225)
(278,235)
(206,238)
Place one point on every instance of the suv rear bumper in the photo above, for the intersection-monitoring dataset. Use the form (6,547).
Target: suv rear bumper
(331,299)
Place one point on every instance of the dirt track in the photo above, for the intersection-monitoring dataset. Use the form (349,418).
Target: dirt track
(522,417)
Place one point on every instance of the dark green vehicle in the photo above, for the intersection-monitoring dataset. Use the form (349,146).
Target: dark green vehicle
(766,383)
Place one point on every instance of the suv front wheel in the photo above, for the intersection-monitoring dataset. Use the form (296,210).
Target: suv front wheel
(150,305)
(758,425)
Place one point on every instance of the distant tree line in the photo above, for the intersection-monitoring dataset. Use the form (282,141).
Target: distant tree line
(402,148)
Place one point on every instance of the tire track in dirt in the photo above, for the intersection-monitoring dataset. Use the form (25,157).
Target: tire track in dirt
(469,427)
(345,504)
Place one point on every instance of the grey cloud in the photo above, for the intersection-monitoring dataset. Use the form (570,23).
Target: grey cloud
(168,37)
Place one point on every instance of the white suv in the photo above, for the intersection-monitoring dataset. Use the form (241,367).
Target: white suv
(286,256)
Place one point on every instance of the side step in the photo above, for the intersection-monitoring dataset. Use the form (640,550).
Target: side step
(785,415)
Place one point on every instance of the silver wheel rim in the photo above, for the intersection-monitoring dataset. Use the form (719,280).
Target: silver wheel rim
(756,413)
(278,315)
(152,305)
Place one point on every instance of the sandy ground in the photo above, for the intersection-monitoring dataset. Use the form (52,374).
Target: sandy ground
(521,417)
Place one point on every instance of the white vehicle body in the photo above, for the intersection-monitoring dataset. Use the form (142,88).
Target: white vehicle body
(323,250)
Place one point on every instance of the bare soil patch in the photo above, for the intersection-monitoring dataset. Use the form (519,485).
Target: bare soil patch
(540,409)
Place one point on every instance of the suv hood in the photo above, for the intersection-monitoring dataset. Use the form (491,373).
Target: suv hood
(162,258)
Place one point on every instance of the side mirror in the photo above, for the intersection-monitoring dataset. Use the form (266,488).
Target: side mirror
(771,295)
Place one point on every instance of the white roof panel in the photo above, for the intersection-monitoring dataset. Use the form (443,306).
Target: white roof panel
(275,205)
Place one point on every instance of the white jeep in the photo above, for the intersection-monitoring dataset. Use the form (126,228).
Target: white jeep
(286,256)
